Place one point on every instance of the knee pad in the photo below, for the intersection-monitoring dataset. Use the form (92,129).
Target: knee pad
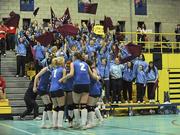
(83,106)
(91,108)
(75,106)
(56,109)
(61,108)
(70,119)
(49,107)
(71,107)
(45,108)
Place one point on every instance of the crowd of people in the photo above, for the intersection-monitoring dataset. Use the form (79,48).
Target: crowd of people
(78,71)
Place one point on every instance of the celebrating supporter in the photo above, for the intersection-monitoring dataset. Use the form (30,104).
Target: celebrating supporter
(152,76)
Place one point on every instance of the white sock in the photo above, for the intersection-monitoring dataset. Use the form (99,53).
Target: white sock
(91,119)
(70,113)
(76,116)
(55,116)
(83,117)
(98,114)
(60,118)
(49,113)
(44,118)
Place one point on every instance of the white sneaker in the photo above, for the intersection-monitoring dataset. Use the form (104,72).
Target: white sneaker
(138,102)
(17,76)
(114,102)
(119,102)
(37,118)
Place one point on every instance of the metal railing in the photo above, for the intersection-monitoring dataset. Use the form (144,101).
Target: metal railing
(154,42)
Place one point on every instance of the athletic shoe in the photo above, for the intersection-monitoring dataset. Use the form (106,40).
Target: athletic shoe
(119,102)
(24,76)
(76,126)
(70,125)
(17,76)
(37,118)
(44,126)
(21,118)
(4,55)
(83,127)
(114,102)
(138,102)
(131,101)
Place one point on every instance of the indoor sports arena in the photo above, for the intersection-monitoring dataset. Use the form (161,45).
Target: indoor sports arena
(89,67)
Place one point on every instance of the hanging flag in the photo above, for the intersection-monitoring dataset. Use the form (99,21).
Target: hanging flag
(140,7)
(66,18)
(46,38)
(108,23)
(13,20)
(130,52)
(26,5)
(68,30)
(89,25)
(36,11)
(85,6)
(53,17)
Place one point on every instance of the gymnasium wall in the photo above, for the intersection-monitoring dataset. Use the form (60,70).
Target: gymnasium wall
(170,62)
(164,11)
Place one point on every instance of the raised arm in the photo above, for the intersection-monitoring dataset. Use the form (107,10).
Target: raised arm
(71,74)
(93,74)
(37,78)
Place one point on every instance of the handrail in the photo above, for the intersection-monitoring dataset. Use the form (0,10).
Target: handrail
(164,42)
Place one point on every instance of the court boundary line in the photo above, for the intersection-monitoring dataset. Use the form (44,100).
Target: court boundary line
(12,127)
(142,130)
(173,122)
(70,131)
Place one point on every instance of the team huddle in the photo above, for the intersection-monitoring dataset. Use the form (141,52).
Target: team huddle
(74,84)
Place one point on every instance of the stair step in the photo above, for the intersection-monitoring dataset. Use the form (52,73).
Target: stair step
(21,103)
(5,110)
(22,79)
(175,93)
(18,84)
(174,77)
(8,69)
(174,88)
(174,72)
(15,90)
(20,110)
(15,96)
(174,82)
(13,73)
(4,103)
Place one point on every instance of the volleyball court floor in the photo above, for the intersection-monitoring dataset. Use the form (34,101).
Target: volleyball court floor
(135,125)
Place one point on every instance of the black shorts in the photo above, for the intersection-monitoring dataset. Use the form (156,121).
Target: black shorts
(58,93)
(95,96)
(67,91)
(80,88)
(42,93)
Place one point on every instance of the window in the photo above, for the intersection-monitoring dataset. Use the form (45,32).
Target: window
(121,26)
(157,26)
(86,21)
(46,22)
(26,23)
(140,24)
(4,19)
(101,22)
